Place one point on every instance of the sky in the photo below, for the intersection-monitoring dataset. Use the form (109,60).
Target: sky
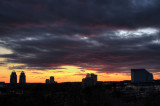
(69,38)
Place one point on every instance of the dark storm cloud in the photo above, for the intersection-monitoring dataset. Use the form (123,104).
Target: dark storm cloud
(101,53)
(73,16)
(46,34)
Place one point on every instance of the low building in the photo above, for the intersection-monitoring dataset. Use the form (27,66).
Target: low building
(50,81)
(90,80)
(141,75)
(47,81)
(2,84)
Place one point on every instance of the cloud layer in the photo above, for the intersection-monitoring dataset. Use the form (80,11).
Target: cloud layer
(102,35)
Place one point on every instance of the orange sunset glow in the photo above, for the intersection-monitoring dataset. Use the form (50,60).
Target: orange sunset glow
(63,74)
(68,39)
(69,74)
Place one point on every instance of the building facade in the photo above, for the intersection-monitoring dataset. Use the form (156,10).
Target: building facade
(141,75)
(51,79)
(22,78)
(13,78)
(90,80)
(47,81)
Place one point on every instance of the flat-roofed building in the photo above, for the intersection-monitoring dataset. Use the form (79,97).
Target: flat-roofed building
(51,79)
(90,80)
(47,81)
(141,75)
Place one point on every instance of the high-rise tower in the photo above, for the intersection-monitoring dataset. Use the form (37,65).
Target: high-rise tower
(13,78)
(22,78)
(51,79)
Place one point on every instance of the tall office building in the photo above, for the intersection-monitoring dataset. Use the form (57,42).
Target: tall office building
(13,78)
(90,80)
(141,75)
(22,78)
(94,77)
(51,79)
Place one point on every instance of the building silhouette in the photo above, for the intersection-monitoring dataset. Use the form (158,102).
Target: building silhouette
(13,78)
(90,80)
(47,81)
(51,79)
(2,84)
(22,78)
(141,75)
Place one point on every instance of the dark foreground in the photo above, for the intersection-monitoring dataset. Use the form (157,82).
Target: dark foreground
(73,94)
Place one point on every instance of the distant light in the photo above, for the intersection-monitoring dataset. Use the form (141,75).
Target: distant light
(118,87)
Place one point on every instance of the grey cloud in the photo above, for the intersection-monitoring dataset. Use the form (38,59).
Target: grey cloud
(46,34)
